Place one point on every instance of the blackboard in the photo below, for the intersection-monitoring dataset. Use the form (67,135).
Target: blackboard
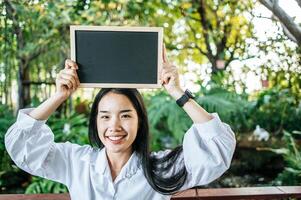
(125,57)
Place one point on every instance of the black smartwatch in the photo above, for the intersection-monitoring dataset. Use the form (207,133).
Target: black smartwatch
(183,99)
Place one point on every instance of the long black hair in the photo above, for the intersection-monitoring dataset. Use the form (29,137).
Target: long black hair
(157,170)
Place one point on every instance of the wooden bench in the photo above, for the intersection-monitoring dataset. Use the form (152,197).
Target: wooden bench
(283,192)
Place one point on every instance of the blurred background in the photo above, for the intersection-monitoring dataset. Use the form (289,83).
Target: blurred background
(241,58)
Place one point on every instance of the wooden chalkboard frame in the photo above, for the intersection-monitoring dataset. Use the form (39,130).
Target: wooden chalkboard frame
(158,30)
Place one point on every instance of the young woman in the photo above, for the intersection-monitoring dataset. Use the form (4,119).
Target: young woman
(121,166)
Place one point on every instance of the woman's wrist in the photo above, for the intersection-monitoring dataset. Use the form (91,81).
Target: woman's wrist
(60,97)
(176,93)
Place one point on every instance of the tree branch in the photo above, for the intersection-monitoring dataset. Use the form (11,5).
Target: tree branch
(27,82)
(189,46)
(188,16)
(12,15)
(247,58)
(228,61)
(37,53)
(221,46)
(284,18)
(201,11)
(196,45)
(288,33)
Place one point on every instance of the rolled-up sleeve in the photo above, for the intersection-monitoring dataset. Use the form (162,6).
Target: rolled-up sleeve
(30,144)
(208,149)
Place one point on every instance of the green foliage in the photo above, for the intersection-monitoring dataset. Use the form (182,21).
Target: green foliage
(73,128)
(287,78)
(6,120)
(7,169)
(207,30)
(276,109)
(42,43)
(168,122)
(40,185)
(231,107)
(291,175)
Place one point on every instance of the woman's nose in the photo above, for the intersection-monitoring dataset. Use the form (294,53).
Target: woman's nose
(115,125)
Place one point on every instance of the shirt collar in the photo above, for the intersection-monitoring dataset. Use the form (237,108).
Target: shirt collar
(99,159)
(131,166)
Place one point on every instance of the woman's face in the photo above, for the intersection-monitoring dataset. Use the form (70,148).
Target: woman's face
(117,122)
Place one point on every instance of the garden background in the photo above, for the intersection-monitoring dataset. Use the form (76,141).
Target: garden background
(240,58)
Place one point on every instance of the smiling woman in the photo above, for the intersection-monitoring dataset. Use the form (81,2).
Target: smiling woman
(117,123)
(120,165)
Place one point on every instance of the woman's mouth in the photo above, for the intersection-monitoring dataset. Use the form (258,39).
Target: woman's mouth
(116,139)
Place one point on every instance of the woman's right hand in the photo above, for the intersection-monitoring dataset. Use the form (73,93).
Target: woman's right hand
(67,80)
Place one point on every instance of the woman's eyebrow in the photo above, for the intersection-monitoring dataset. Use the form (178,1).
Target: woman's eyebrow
(103,111)
(128,110)
(122,111)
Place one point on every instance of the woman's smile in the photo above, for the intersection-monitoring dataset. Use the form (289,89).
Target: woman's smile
(116,139)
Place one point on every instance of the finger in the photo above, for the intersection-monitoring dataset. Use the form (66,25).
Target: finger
(70,64)
(167,77)
(163,53)
(165,59)
(75,76)
(66,76)
(163,73)
(168,66)
(170,70)
(72,73)
(77,80)
(70,78)
(66,83)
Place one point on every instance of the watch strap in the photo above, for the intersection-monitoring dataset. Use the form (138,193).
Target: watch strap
(184,98)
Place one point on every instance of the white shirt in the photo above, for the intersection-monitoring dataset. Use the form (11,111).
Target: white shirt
(207,152)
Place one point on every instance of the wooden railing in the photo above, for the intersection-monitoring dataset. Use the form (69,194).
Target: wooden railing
(284,192)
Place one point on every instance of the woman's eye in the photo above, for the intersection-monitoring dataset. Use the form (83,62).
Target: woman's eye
(125,116)
(104,117)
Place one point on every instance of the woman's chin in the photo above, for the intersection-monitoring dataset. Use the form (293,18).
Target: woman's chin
(117,148)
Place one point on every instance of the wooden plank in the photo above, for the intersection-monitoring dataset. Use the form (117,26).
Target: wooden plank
(283,192)
(293,191)
(185,195)
(35,197)
(242,193)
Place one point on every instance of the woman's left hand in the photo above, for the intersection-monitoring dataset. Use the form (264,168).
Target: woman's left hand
(170,77)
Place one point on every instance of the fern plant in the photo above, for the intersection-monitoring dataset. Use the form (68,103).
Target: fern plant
(40,185)
(168,122)
(6,120)
(73,128)
(291,175)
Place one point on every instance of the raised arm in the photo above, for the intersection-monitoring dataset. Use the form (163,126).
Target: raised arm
(170,81)
(66,83)
(30,142)
(209,144)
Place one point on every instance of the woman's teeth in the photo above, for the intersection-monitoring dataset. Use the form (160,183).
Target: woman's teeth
(115,138)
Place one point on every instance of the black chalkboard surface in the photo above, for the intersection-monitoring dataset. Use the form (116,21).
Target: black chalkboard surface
(128,57)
